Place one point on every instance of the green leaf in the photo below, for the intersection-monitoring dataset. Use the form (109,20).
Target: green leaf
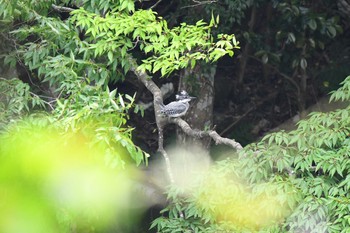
(110,56)
(193,63)
(265,58)
(303,63)
(291,37)
(312,24)
(331,31)
(121,101)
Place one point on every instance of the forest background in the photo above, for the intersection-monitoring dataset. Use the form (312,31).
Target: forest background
(87,77)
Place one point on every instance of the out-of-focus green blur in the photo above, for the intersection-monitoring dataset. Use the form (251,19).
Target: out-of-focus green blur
(50,183)
(220,193)
(246,207)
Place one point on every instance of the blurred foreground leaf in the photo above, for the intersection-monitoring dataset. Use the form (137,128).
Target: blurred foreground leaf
(50,183)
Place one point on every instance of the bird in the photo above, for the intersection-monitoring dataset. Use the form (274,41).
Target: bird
(178,107)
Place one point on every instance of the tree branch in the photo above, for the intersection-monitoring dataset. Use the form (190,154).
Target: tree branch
(157,100)
(61,8)
(199,3)
(152,7)
(210,133)
(236,121)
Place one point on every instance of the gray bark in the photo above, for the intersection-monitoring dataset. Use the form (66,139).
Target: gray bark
(199,82)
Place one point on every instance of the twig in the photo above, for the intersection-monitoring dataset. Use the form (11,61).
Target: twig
(62,8)
(16,45)
(236,121)
(199,3)
(48,103)
(136,43)
(152,7)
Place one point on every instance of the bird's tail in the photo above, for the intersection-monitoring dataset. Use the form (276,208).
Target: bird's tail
(162,108)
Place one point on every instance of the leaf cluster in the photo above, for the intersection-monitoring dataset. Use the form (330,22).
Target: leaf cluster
(305,33)
(166,49)
(102,115)
(16,101)
(315,156)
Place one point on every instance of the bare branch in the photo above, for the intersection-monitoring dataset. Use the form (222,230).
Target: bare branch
(210,133)
(48,103)
(147,81)
(61,8)
(152,7)
(199,3)
(165,154)
(157,100)
(236,121)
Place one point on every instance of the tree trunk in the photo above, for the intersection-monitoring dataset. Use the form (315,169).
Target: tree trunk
(246,49)
(198,82)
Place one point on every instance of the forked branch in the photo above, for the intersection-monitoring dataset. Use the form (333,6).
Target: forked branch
(157,100)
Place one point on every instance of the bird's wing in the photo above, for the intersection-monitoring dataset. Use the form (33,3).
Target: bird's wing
(178,106)
(173,108)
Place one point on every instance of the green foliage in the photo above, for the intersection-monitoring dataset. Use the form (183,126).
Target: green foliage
(310,32)
(306,32)
(59,52)
(292,181)
(316,155)
(16,100)
(224,200)
(52,182)
(95,46)
(170,49)
(298,180)
(288,38)
(103,115)
(237,9)
(343,93)
(23,9)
